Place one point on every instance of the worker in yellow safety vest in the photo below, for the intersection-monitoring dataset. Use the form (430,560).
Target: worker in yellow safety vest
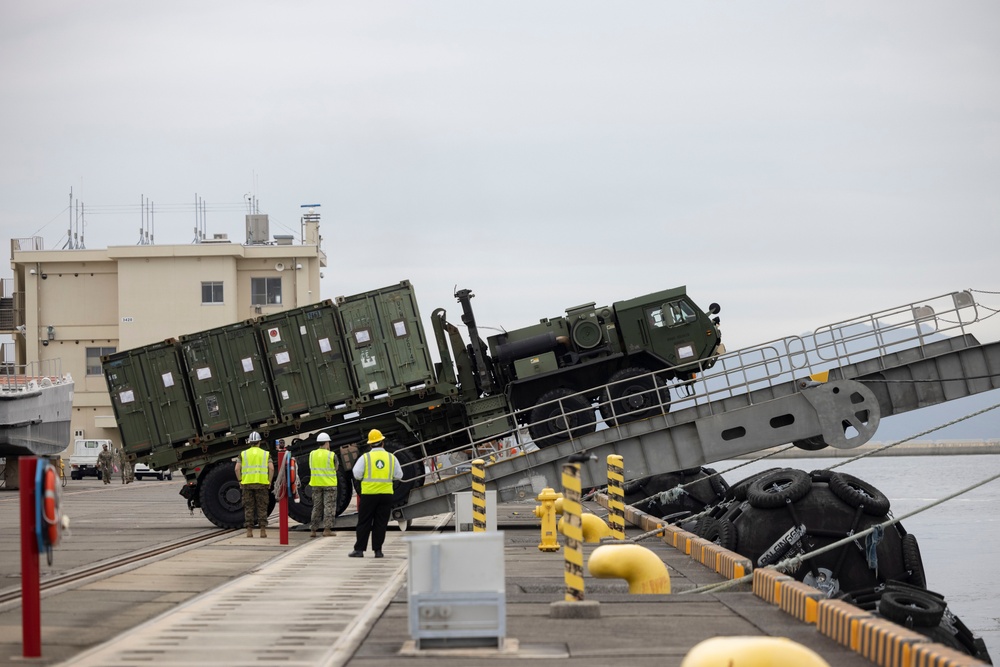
(255,470)
(376,469)
(323,484)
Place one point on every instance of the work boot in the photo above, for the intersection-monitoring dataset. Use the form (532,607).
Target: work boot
(263,531)
(249,531)
(312,533)
(327,532)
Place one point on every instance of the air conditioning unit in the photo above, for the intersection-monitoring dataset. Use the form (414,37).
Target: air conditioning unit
(79,434)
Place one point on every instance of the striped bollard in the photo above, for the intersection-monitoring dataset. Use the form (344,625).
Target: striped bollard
(573,530)
(478,496)
(616,496)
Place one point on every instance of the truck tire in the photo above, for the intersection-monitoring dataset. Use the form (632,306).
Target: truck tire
(550,426)
(631,397)
(413,474)
(221,496)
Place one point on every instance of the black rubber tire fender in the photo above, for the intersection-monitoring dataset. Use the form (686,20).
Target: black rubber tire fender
(739,490)
(813,444)
(721,532)
(913,562)
(778,488)
(911,608)
(719,485)
(859,493)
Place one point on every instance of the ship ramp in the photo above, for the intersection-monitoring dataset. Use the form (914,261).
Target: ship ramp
(828,388)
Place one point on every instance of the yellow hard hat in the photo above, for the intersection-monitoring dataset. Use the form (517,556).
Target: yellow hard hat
(375,436)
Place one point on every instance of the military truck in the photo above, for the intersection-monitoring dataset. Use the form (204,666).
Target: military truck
(364,362)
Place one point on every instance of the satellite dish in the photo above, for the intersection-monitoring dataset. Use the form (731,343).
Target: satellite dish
(279,267)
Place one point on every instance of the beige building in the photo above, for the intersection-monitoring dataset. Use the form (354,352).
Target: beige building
(77,305)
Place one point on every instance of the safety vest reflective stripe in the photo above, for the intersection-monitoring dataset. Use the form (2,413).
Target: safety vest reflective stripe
(253,466)
(378,478)
(322,468)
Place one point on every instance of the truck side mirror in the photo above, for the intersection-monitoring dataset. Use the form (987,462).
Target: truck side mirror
(714,309)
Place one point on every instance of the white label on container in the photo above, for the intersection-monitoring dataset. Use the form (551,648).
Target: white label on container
(126,397)
(302,330)
(247,365)
(368,359)
(168,379)
(274,335)
(204,373)
(373,386)
(284,395)
(324,345)
(282,358)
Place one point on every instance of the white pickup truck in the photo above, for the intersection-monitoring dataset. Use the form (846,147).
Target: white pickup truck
(83,460)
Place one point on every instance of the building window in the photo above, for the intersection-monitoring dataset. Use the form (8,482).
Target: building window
(94,355)
(265,291)
(211,292)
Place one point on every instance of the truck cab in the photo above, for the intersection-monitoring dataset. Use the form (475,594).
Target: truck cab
(83,460)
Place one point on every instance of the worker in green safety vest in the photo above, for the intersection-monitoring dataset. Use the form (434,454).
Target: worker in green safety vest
(255,470)
(376,469)
(323,484)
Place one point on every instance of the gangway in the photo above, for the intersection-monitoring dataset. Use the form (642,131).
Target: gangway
(830,388)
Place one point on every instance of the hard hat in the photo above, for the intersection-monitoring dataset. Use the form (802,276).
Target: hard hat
(323,437)
(254,437)
(375,436)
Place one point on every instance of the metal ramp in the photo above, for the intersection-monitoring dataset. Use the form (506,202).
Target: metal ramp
(835,384)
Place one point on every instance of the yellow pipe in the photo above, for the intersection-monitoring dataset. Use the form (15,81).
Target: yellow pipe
(751,652)
(639,566)
(594,528)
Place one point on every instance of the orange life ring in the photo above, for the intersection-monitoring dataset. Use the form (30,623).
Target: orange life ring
(50,509)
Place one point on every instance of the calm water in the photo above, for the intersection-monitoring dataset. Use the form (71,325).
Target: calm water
(959,540)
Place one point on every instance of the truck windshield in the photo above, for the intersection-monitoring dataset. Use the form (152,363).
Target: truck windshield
(671,314)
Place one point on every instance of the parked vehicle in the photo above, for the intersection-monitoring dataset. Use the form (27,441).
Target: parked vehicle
(83,460)
(142,470)
(364,362)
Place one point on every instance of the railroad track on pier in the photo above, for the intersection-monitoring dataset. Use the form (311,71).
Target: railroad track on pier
(118,563)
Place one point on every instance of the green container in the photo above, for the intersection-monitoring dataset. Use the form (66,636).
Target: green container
(150,397)
(305,353)
(385,341)
(228,379)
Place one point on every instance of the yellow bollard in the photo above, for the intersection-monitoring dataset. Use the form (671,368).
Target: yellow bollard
(594,528)
(639,566)
(616,496)
(547,513)
(478,496)
(751,652)
(573,530)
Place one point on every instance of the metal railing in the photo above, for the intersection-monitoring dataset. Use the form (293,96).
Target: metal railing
(30,376)
(737,373)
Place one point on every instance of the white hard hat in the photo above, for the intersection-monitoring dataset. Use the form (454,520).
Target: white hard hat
(323,437)
(254,437)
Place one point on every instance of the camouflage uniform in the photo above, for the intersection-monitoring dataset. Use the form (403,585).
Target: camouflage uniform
(128,472)
(255,500)
(104,462)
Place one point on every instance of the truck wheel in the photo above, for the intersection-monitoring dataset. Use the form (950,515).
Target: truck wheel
(413,474)
(345,487)
(302,510)
(556,422)
(813,444)
(631,396)
(221,496)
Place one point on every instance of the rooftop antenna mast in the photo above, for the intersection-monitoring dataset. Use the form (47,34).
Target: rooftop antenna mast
(69,230)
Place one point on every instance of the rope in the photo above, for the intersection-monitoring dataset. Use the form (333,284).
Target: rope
(792,564)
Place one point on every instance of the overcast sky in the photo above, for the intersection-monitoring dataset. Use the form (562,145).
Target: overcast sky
(799,163)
